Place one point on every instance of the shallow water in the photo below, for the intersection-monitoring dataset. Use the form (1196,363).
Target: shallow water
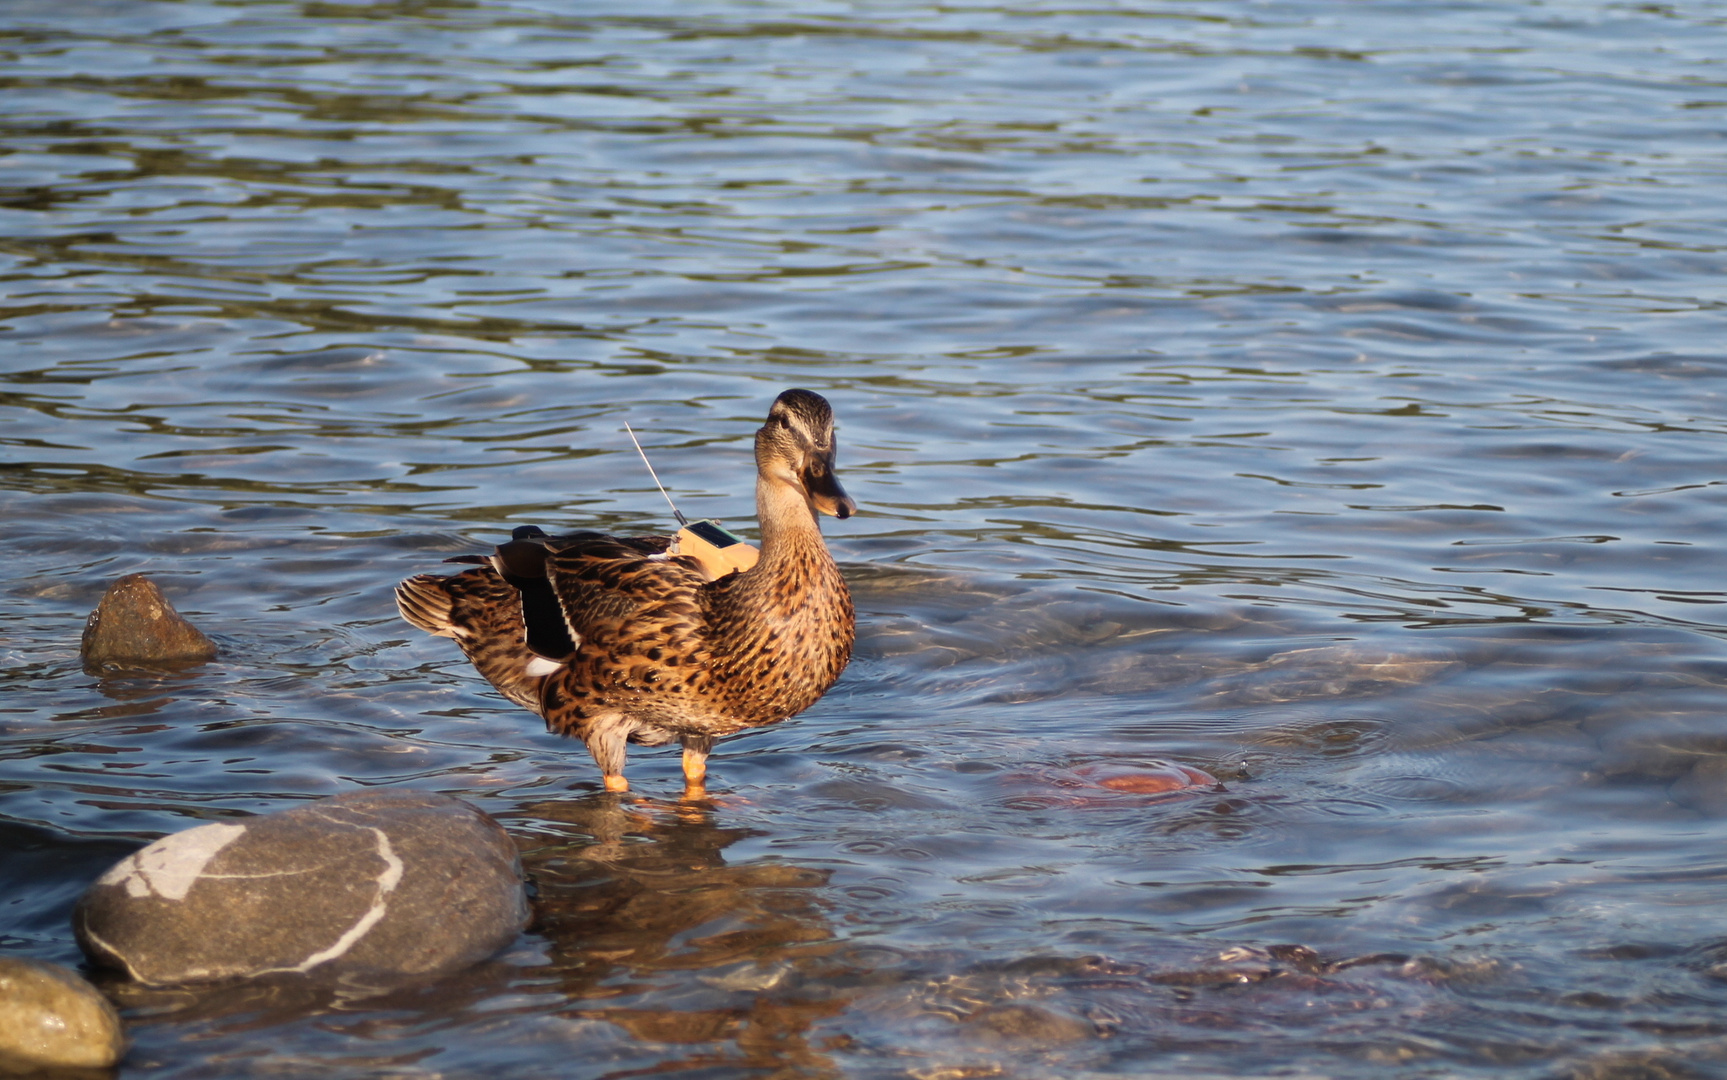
(1329,396)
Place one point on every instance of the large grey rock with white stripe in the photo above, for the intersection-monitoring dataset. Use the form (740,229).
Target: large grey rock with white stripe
(379,882)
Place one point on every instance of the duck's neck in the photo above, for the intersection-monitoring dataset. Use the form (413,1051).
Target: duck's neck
(781,631)
(791,540)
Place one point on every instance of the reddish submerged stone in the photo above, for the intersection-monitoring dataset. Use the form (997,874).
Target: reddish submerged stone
(1110,783)
(1145,777)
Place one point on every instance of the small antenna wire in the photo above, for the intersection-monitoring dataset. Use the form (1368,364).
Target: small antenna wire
(654,474)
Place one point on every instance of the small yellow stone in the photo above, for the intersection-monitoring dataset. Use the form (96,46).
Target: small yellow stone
(51,1016)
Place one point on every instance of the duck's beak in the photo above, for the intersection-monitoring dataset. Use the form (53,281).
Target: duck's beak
(825,492)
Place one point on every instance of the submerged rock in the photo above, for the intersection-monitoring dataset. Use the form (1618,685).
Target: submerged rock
(136,623)
(375,882)
(1704,788)
(51,1017)
(1027,1024)
(1109,783)
(1153,777)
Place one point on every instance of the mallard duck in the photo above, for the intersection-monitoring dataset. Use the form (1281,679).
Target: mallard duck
(626,639)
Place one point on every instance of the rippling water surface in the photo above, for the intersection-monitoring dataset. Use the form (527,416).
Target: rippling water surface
(1326,395)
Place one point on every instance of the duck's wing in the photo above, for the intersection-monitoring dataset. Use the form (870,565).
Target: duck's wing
(614,590)
(483,614)
(521,563)
(602,545)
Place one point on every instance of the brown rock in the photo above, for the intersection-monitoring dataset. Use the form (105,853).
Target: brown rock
(1146,777)
(135,623)
(369,882)
(51,1017)
(1027,1024)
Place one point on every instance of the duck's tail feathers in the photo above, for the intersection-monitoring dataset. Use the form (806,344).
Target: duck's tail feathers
(425,601)
(482,613)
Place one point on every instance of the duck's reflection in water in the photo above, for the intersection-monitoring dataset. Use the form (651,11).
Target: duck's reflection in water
(651,930)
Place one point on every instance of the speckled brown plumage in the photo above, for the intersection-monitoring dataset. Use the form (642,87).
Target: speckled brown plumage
(612,641)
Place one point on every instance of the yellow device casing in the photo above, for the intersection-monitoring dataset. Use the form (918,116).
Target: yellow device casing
(718,550)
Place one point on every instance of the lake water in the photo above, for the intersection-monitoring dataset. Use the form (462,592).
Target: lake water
(1327,395)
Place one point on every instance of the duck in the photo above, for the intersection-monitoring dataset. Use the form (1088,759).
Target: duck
(614,640)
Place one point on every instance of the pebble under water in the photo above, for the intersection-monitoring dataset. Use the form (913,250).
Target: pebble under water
(1324,396)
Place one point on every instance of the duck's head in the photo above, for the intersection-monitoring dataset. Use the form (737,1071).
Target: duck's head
(796,447)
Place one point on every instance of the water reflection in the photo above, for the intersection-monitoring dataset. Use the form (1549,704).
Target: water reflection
(650,929)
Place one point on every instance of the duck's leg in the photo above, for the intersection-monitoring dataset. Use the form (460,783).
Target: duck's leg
(606,737)
(696,749)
